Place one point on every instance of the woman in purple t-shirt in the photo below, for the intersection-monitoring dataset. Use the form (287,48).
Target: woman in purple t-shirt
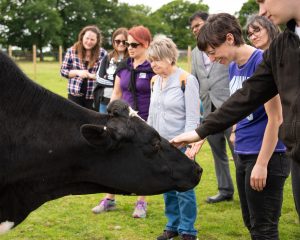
(261,166)
(132,84)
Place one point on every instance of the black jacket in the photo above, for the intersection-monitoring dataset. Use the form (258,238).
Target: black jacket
(279,72)
(98,91)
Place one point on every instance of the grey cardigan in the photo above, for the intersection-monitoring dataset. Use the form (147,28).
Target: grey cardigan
(173,111)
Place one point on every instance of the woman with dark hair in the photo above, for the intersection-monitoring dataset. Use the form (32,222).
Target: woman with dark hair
(132,84)
(277,74)
(80,65)
(262,166)
(106,72)
(261,31)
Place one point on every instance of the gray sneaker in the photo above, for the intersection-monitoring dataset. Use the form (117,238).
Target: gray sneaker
(105,205)
(140,210)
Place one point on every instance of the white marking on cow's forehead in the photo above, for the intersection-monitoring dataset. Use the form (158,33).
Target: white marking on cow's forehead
(104,128)
(6,226)
(133,113)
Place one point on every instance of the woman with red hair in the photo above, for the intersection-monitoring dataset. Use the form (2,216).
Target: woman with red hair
(132,84)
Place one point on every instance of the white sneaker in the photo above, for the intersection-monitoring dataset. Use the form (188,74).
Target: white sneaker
(140,210)
(105,205)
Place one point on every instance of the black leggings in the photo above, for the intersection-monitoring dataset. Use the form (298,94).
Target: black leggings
(295,173)
(261,210)
(81,100)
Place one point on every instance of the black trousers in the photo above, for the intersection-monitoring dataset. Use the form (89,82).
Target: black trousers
(261,210)
(295,173)
(81,100)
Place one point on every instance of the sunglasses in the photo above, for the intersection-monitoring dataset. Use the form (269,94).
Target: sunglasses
(118,42)
(133,44)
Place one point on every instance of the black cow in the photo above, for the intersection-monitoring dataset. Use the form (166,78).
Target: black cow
(51,147)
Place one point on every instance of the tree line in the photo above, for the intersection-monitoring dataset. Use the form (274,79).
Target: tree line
(53,23)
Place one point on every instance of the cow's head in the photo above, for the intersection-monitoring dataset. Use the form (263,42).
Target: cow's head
(135,148)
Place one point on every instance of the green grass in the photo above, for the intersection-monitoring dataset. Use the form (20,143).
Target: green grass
(71,217)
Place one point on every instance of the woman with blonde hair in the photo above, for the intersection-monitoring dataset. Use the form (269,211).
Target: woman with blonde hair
(174,109)
(80,65)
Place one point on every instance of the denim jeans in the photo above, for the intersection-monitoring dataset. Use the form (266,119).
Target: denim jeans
(102,108)
(261,210)
(181,211)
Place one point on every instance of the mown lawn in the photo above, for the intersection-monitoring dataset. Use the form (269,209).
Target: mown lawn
(71,217)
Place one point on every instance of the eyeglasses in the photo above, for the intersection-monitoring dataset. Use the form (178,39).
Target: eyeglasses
(118,42)
(133,44)
(255,32)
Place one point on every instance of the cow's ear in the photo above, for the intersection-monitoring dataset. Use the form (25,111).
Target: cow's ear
(118,108)
(96,135)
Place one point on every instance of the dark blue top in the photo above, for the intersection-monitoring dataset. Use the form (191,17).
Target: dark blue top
(249,131)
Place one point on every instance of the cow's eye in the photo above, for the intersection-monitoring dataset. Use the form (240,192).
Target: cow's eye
(156,146)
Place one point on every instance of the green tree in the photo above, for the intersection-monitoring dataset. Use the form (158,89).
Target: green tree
(174,17)
(30,22)
(249,8)
(128,16)
(75,15)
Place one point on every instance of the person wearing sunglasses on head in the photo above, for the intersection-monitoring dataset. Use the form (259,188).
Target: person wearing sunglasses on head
(80,65)
(107,71)
(132,85)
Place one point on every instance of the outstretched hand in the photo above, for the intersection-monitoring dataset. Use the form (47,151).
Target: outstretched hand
(183,139)
(194,149)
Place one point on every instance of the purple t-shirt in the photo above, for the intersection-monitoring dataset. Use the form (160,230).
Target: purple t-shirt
(143,77)
(249,131)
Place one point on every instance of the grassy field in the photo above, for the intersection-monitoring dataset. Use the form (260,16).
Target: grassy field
(71,217)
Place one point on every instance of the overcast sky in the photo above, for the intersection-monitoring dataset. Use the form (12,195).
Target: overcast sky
(215,6)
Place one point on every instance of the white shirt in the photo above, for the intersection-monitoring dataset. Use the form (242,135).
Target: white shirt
(297,30)
(207,62)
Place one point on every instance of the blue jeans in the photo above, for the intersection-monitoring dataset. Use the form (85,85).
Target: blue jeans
(261,210)
(102,108)
(181,211)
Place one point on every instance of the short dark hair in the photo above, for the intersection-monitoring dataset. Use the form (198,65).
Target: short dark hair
(202,15)
(214,31)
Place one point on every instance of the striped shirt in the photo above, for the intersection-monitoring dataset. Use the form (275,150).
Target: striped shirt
(72,62)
